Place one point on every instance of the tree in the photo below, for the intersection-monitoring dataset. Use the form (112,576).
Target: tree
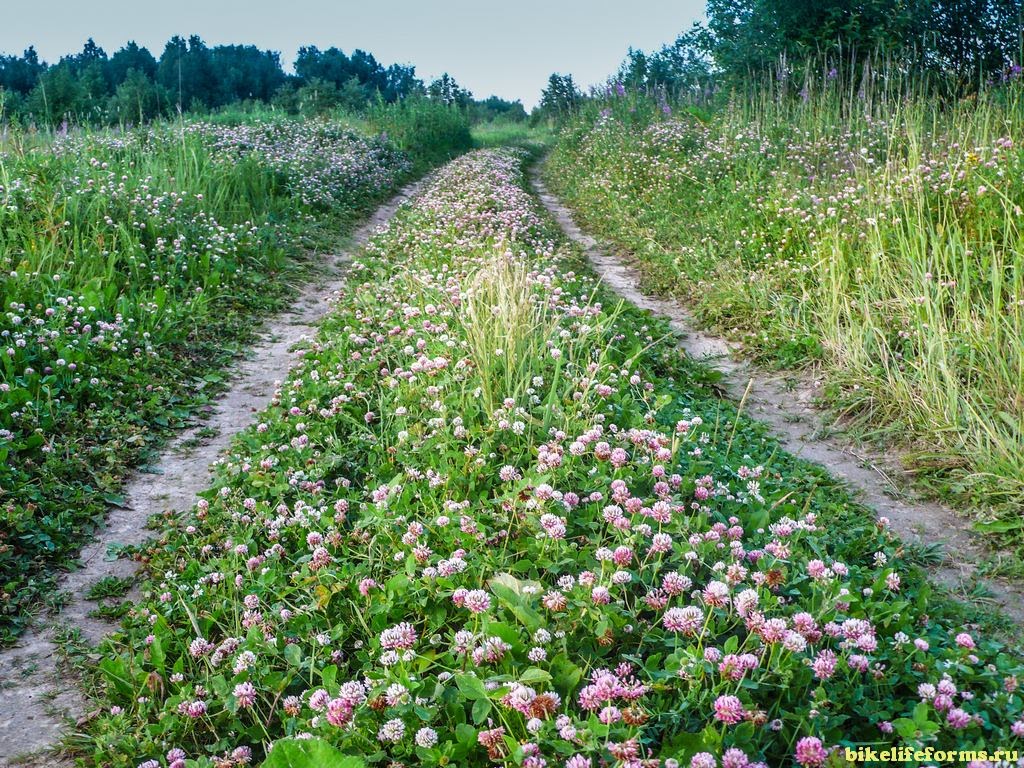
(21,73)
(137,98)
(445,90)
(131,57)
(89,68)
(331,66)
(368,71)
(317,96)
(186,70)
(560,98)
(683,66)
(958,38)
(977,38)
(495,108)
(401,82)
(193,76)
(57,96)
(244,72)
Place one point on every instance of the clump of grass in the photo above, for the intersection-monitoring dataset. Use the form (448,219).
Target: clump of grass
(508,326)
(504,133)
(110,587)
(429,131)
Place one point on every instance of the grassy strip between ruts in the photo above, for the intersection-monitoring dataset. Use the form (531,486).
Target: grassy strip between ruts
(134,266)
(877,235)
(493,517)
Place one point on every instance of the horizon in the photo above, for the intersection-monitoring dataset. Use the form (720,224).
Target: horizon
(490,49)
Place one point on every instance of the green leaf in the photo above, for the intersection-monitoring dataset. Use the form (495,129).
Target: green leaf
(465,734)
(309,753)
(156,654)
(471,687)
(535,675)
(481,709)
(566,674)
(921,713)
(998,526)
(509,590)
(328,676)
(906,728)
(293,654)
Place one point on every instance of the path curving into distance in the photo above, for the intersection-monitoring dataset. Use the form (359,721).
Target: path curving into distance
(37,703)
(799,425)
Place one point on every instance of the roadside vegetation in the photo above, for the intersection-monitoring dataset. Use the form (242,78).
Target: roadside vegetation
(493,515)
(134,266)
(859,216)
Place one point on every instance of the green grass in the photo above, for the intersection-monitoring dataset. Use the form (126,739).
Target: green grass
(878,238)
(428,131)
(109,587)
(512,134)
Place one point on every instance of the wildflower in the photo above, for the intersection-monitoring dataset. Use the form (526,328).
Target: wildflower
(398,637)
(735,758)
(964,640)
(494,741)
(318,700)
(194,709)
(426,738)
(321,559)
(685,621)
(810,752)
(824,665)
(958,718)
(392,731)
(477,601)
(245,693)
(339,712)
(729,710)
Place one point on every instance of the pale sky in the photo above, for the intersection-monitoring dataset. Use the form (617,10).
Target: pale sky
(503,48)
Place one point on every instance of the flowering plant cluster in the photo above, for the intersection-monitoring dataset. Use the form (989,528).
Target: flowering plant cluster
(129,263)
(322,164)
(492,519)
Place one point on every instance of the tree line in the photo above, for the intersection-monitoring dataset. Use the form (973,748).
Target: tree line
(955,46)
(133,86)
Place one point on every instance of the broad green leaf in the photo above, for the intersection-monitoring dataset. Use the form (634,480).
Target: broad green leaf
(309,753)
(471,687)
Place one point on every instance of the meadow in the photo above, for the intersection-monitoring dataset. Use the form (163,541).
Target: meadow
(495,517)
(135,265)
(868,231)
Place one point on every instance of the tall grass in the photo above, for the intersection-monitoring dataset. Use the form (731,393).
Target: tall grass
(859,225)
(534,138)
(427,130)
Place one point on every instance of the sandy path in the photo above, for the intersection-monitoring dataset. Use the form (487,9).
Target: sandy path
(36,704)
(785,402)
